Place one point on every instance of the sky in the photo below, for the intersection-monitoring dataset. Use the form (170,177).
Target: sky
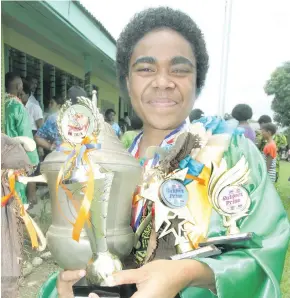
(259,42)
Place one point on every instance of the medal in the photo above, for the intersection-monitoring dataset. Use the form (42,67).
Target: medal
(233,200)
(173,194)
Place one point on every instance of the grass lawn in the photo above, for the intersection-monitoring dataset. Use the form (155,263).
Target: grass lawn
(284,191)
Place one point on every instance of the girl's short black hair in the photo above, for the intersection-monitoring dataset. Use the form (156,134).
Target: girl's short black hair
(152,19)
(242,112)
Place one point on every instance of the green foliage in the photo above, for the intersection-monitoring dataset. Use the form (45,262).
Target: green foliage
(279,87)
(284,191)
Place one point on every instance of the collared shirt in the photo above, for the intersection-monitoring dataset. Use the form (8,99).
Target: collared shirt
(34,111)
(33,100)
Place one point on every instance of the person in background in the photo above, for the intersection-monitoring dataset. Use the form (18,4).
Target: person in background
(243,113)
(74,92)
(123,125)
(195,115)
(47,137)
(17,121)
(110,118)
(33,109)
(36,119)
(32,82)
(270,149)
(129,136)
(127,119)
(279,139)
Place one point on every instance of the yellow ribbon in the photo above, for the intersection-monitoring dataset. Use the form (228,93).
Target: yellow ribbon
(84,210)
(200,209)
(23,214)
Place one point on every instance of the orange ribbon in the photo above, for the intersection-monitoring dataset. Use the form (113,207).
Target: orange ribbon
(199,180)
(84,210)
(23,214)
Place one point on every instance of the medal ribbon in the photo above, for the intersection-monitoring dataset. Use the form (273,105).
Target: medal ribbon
(23,214)
(138,202)
(78,155)
(194,170)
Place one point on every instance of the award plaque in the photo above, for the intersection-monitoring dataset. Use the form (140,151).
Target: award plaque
(232,201)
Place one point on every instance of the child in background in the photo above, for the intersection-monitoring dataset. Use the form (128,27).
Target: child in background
(270,149)
(129,136)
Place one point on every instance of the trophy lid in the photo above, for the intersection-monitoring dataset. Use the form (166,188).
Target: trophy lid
(81,120)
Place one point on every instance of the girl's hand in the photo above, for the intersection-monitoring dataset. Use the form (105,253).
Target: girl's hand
(164,278)
(66,280)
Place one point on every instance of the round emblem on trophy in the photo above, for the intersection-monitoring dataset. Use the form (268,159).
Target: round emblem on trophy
(173,194)
(233,200)
(75,122)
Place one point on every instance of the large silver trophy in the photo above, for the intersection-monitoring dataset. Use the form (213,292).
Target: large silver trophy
(91,181)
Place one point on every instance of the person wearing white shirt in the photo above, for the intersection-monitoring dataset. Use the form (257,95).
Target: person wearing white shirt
(33,109)
(127,119)
(32,83)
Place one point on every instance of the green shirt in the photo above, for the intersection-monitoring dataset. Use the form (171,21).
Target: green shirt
(17,123)
(128,138)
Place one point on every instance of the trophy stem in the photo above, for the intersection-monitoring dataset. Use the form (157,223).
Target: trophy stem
(99,209)
(233,228)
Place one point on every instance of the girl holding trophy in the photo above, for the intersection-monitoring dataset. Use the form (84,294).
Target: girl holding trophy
(162,64)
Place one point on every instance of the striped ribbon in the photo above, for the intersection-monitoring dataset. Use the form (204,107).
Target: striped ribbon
(138,202)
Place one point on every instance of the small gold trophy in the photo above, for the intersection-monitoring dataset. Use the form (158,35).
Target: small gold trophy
(231,200)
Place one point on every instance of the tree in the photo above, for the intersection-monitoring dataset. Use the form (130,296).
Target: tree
(279,87)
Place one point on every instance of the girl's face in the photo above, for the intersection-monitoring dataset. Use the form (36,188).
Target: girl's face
(53,106)
(162,79)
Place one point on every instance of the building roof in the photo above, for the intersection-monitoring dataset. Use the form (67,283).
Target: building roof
(97,23)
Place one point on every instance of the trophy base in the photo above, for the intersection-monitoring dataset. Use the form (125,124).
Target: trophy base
(243,240)
(83,289)
(203,252)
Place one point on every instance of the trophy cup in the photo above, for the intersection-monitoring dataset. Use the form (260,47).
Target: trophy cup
(91,180)
(231,200)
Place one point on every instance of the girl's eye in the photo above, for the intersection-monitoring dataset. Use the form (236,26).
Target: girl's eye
(145,70)
(180,70)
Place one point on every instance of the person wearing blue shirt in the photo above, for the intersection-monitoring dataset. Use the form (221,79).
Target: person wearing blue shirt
(110,118)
